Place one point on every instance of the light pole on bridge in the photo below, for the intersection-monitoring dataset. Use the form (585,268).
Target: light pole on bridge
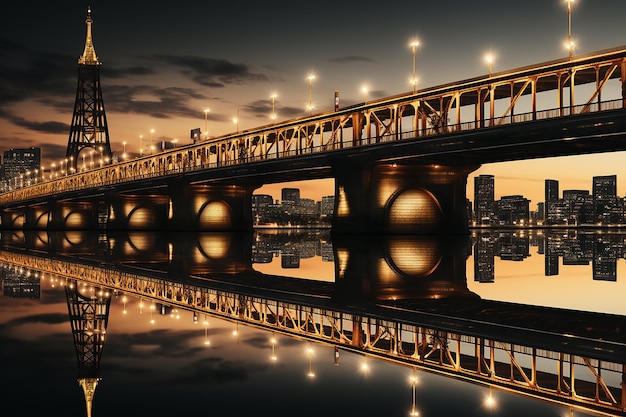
(206,123)
(311,78)
(273,97)
(489,59)
(570,43)
(414,44)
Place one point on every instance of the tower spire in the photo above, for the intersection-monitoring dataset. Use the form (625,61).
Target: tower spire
(89,56)
(89,127)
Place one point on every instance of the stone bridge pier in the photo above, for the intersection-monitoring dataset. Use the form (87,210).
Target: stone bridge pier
(183,207)
(390,198)
(210,207)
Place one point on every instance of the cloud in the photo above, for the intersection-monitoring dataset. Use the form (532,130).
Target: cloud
(27,74)
(43,127)
(210,72)
(115,73)
(157,102)
(49,318)
(349,59)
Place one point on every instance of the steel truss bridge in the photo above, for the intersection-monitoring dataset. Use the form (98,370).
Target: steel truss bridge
(577,371)
(385,155)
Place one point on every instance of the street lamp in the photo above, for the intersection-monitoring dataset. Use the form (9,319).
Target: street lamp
(570,43)
(140,145)
(151,143)
(364,91)
(311,78)
(273,97)
(489,58)
(124,154)
(414,44)
(206,123)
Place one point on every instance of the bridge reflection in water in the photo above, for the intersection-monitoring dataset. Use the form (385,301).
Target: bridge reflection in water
(403,299)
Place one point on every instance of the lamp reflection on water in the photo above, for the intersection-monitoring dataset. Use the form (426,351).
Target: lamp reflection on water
(309,351)
(273,357)
(413,381)
(364,368)
(490,402)
(206,331)
(152,308)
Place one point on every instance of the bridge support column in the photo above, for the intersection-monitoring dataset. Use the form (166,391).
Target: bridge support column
(211,207)
(73,216)
(400,199)
(37,217)
(13,219)
(136,212)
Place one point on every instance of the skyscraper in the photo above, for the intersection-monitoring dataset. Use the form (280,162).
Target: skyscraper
(606,209)
(16,163)
(484,191)
(551,196)
(290,195)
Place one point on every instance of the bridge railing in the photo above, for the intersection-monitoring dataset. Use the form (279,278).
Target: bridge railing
(154,166)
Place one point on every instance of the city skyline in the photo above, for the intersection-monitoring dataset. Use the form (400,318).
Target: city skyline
(163,66)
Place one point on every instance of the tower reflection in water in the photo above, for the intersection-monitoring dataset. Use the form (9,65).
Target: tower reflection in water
(400,299)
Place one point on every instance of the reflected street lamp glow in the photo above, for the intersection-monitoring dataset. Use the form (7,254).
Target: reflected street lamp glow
(490,402)
(206,331)
(413,381)
(273,357)
(309,351)
(364,368)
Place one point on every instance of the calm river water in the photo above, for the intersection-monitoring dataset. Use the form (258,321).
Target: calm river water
(200,324)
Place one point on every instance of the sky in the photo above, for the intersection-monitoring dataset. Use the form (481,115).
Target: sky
(164,63)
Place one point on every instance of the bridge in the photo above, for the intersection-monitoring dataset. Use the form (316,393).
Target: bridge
(400,163)
(565,357)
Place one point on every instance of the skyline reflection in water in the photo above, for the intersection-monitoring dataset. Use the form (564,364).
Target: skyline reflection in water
(155,351)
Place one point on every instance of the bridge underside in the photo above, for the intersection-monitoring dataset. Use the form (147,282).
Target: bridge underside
(400,163)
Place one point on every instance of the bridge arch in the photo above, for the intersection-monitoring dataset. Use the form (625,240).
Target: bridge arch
(214,246)
(42,220)
(18,221)
(215,214)
(414,258)
(415,209)
(76,219)
(142,217)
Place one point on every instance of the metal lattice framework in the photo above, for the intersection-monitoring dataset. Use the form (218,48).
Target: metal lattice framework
(560,89)
(550,375)
(89,315)
(89,127)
